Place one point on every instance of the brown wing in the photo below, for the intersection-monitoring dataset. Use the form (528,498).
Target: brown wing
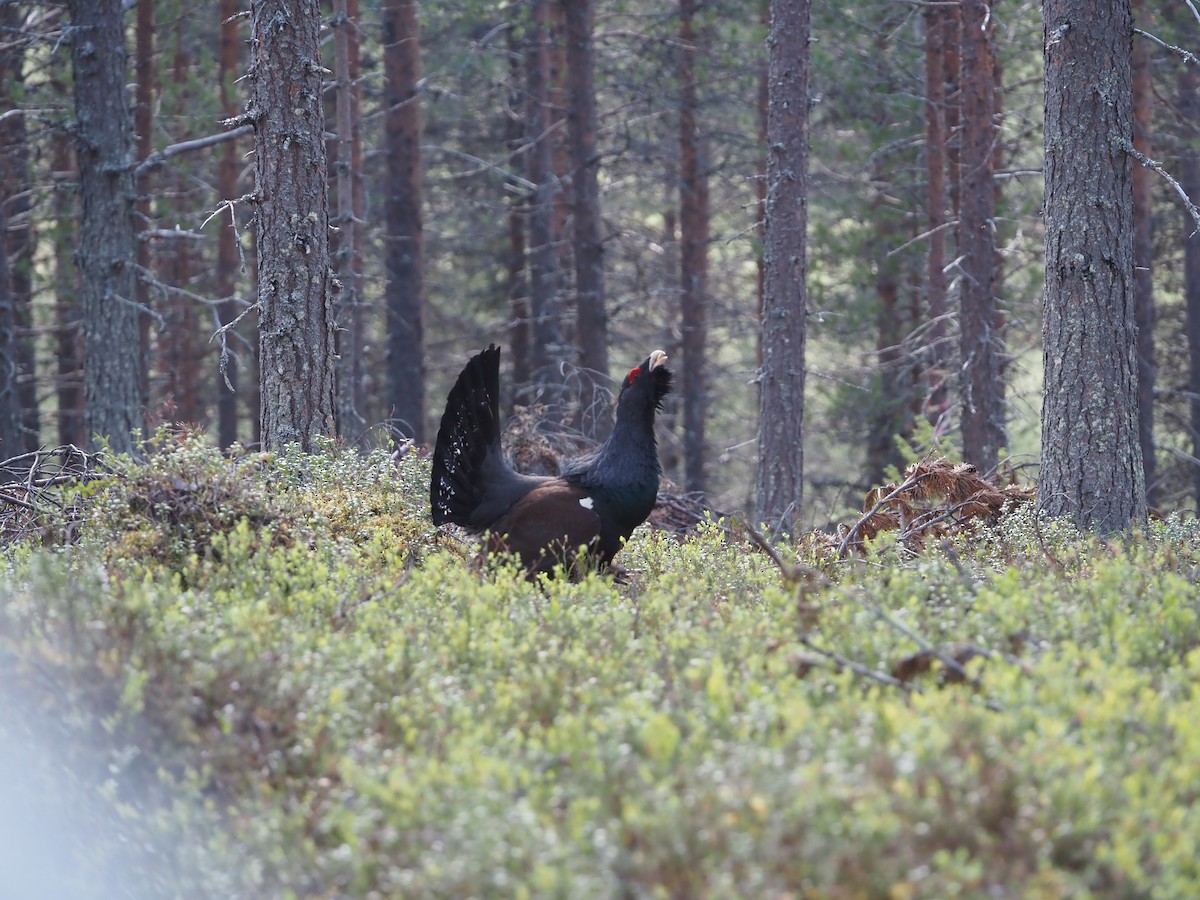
(547,526)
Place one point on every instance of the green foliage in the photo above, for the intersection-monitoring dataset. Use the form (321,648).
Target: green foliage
(273,682)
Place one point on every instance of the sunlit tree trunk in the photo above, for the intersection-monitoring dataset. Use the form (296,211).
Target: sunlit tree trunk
(781,407)
(296,335)
(107,241)
(1091,457)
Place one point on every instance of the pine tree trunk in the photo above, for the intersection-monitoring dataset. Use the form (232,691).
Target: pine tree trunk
(12,441)
(358,345)
(982,377)
(228,261)
(1188,104)
(143,127)
(406,242)
(107,240)
(69,339)
(1143,256)
(549,350)
(296,331)
(694,233)
(181,354)
(351,424)
(1091,458)
(780,480)
(16,241)
(520,334)
(889,418)
(937,370)
(591,311)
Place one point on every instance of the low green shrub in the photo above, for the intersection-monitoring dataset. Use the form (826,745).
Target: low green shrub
(285,684)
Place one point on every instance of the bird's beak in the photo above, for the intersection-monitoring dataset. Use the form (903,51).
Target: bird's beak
(657,358)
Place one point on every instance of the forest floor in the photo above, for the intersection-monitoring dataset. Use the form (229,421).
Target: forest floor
(269,676)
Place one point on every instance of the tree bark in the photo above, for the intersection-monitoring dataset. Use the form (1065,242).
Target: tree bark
(780,477)
(591,332)
(549,350)
(693,258)
(981,386)
(1143,254)
(1188,104)
(937,368)
(180,354)
(107,239)
(1091,458)
(520,335)
(296,332)
(16,240)
(143,126)
(12,441)
(351,424)
(228,261)
(69,339)
(406,241)
(889,418)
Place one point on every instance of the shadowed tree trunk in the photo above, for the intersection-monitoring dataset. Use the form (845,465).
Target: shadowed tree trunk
(351,424)
(296,331)
(591,312)
(982,377)
(143,126)
(937,24)
(228,261)
(1188,103)
(548,349)
(18,396)
(17,239)
(11,440)
(520,331)
(693,257)
(107,241)
(406,242)
(1091,458)
(358,345)
(180,354)
(780,476)
(69,340)
(1143,253)
(890,418)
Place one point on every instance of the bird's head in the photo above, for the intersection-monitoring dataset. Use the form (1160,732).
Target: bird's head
(646,385)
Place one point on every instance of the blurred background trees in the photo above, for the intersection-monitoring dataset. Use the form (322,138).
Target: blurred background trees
(583,183)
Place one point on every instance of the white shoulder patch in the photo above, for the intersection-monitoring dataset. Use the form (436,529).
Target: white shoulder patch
(586,502)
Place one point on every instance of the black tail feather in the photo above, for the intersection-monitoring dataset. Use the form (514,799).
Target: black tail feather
(470,430)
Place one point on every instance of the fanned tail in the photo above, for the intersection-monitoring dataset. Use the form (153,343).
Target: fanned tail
(469,432)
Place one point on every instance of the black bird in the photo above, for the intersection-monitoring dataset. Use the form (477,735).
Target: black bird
(595,502)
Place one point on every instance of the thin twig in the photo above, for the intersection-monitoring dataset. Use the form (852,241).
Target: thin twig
(161,156)
(1125,144)
(858,668)
(1187,56)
